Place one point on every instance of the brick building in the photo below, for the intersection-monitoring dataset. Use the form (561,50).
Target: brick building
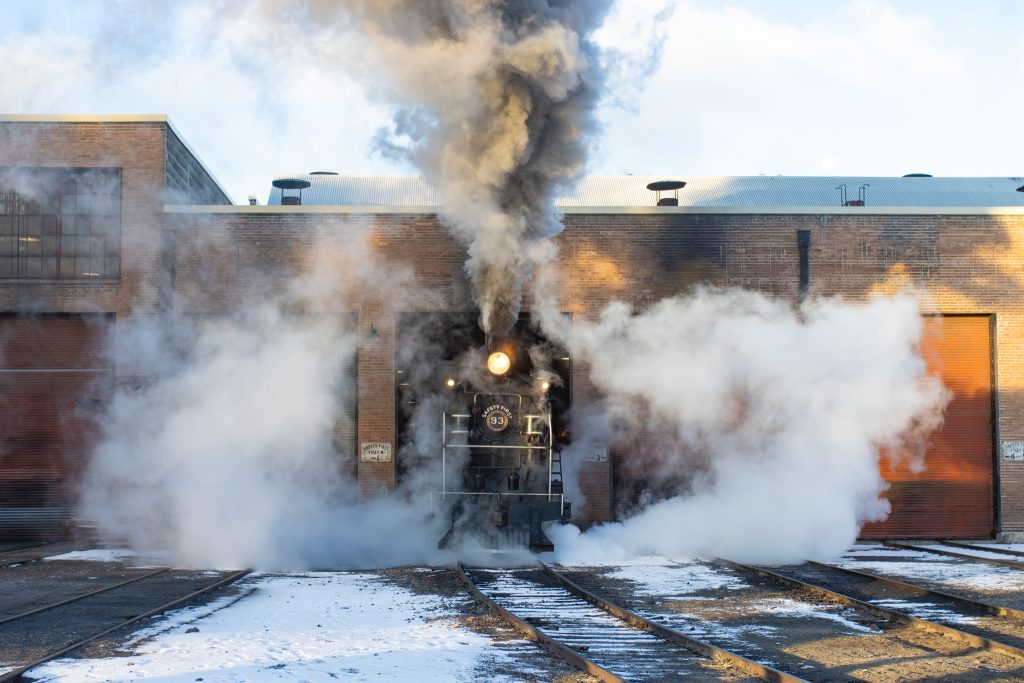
(132,224)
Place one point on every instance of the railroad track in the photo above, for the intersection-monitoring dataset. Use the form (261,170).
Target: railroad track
(602,638)
(8,557)
(983,548)
(976,624)
(1016,564)
(26,546)
(62,611)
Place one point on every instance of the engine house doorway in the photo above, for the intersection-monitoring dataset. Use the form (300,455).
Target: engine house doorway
(429,348)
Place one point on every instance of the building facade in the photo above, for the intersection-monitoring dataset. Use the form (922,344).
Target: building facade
(149,231)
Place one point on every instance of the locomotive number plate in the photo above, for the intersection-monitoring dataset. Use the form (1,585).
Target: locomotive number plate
(497,418)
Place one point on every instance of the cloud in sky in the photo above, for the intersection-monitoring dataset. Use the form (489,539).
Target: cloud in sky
(800,88)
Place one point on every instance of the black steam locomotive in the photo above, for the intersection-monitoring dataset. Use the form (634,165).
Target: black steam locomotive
(502,407)
(503,418)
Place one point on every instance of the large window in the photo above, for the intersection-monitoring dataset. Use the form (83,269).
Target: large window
(60,223)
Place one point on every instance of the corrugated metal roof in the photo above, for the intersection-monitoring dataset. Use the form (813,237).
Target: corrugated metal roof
(700,191)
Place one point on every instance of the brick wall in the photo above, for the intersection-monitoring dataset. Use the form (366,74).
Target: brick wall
(203,262)
(137,149)
(140,148)
(964,263)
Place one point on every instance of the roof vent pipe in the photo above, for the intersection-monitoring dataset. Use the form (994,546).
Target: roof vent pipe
(291,184)
(862,195)
(672,186)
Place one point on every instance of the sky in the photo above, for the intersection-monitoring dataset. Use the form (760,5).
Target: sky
(791,87)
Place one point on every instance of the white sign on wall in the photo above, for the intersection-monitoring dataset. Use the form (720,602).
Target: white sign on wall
(598,452)
(1013,450)
(375,452)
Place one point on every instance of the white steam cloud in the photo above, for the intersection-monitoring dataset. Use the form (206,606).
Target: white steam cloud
(227,455)
(755,428)
(758,426)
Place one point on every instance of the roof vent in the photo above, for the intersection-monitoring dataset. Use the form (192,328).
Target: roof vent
(672,186)
(292,184)
(322,173)
(918,175)
(862,195)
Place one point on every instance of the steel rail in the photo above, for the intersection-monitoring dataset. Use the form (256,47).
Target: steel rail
(877,610)
(996,610)
(6,620)
(950,553)
(27,560)
(26,547)
(560,650)
(712,652)
(970,546)
(16,674)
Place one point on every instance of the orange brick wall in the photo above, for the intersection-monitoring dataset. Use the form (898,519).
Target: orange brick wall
(965,264)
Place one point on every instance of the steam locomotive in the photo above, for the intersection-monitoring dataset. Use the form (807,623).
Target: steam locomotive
(502,426)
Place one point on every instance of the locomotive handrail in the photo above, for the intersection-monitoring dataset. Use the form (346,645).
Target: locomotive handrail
(520,448)
(499,494)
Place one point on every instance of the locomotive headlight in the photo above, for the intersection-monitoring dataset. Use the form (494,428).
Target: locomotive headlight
(498,363)
(544,386)
(450,382)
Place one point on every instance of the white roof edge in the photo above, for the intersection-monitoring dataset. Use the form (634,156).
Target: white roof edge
(83,118)
(116,118)
(770,210)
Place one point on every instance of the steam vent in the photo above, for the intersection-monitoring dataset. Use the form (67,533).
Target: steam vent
(102,225)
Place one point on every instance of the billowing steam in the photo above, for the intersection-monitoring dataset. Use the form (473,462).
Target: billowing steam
(757,427)
(226,453)
(503,96)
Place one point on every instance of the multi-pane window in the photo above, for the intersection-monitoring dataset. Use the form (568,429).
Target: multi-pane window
(60,223)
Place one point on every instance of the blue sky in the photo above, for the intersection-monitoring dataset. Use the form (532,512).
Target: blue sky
(797,87)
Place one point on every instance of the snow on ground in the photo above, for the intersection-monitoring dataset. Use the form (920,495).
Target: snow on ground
(682,580)
(307,626)
(946,571)
(786,607)
(883,550)
(977,553)
(97,555)
(672,581)
(925,610)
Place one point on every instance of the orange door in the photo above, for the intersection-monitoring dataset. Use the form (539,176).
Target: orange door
(953,497)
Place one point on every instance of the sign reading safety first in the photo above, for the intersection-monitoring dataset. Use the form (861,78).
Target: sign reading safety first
(1013,450)
(375,452)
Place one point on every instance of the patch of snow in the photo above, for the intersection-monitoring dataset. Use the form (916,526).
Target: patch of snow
(926,610)
(672,581)
(97,555)
(948,572)
(1016,547)
(786,607)
(885,551)
(307,626)
(976,553)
